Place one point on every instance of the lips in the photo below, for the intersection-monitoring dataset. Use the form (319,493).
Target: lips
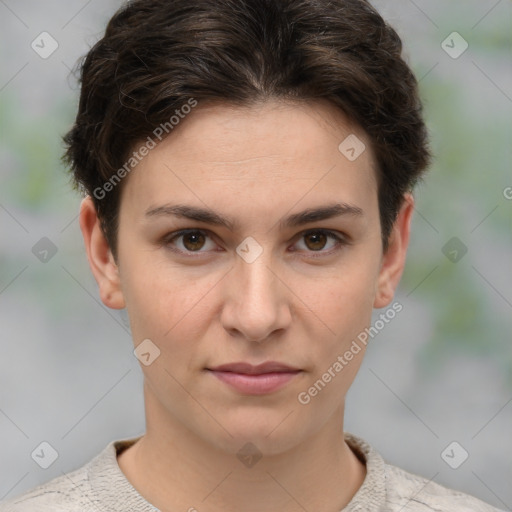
(249,369)
(255,380)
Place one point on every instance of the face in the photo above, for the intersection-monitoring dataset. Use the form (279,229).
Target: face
(267,283)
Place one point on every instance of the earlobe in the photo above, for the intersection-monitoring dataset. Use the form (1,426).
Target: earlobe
(99,255)
(393,261)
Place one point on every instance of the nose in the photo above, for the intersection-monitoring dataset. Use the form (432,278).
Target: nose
(257,302)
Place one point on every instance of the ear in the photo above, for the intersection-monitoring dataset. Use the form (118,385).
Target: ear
(101,260)
(393,260)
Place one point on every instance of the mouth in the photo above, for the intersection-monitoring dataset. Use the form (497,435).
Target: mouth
(255,380)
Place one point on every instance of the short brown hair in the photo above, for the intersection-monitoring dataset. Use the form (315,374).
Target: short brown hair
(157,54)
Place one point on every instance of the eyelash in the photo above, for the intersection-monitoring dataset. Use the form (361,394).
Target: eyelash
(168,239)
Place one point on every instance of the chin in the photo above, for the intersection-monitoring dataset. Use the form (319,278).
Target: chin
(268,432)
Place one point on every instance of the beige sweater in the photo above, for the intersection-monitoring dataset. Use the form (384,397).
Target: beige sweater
(100,486)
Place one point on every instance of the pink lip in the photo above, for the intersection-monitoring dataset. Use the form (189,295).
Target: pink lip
(267,367)
(255,380)
(255,384)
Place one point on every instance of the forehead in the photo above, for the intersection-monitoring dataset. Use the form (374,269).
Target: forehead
(270,154)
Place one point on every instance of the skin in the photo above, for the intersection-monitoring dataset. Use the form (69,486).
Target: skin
(255,165)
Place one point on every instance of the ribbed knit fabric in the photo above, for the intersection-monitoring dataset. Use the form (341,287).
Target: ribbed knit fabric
(101,486)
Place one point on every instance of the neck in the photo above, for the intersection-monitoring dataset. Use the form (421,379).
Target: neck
(174,469)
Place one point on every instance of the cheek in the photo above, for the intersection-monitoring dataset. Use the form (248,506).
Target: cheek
(147,294)
(345,296)
(162,300)
(344,310)
(343,305)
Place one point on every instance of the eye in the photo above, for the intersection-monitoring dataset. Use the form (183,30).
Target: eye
(193,240)
(316,239)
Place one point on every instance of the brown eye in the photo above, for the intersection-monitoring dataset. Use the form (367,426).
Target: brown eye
(316,241)
(193,241)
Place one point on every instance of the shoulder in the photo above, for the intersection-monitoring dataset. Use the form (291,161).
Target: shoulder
(388,488)
(412,493)
(75,491)
(97,485)
(66,493)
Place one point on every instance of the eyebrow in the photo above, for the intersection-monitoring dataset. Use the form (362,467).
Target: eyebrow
(209,216)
